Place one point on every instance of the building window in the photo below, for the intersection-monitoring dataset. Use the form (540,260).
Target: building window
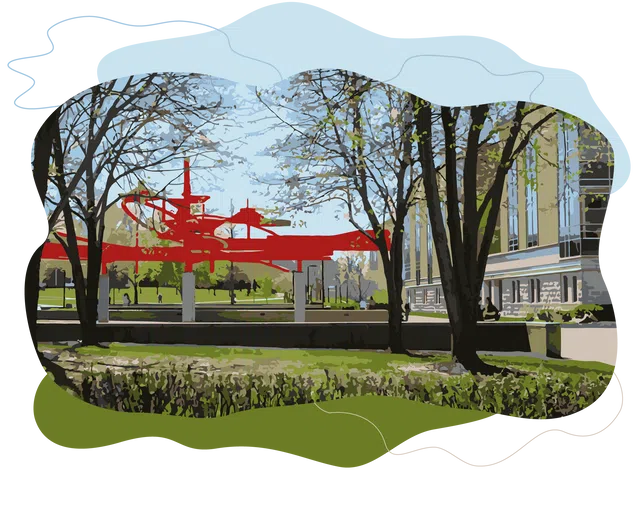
(596,202)
(438,296)
(565,289)
(418,232)
(574,289)
(568,189)
(532,291)
(531,194)
(429,252)
(512,195)
(406,249)
(515,292)
(373,260)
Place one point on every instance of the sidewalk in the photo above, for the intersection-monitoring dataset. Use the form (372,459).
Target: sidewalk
(413,318)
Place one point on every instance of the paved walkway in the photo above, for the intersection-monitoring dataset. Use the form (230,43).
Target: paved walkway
(426,319)
(590,343)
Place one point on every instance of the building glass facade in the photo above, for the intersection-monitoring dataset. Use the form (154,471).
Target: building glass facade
(418,242)
(512,197)
(406,249)
(568,189)
(531,195)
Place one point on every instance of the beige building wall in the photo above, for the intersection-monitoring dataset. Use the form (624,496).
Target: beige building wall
(531,278)
(547,188)
(548,220)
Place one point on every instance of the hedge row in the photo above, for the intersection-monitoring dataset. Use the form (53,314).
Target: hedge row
(559,314)
(542,395)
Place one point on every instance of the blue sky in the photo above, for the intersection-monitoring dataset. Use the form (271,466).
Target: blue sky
(284,37)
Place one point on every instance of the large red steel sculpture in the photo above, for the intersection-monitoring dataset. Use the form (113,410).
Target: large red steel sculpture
(183,221)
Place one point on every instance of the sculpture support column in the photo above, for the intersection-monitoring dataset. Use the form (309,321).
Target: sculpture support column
(300,297)
(103,298)
(188,297)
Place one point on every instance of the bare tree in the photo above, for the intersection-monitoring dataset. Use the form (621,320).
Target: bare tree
(113,137)
(353,266)
(348,140)
(462,241)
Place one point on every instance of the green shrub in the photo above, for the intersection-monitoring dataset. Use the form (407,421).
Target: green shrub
(350,304)
(541,395)
(560,314)
(580,310)
(381,297)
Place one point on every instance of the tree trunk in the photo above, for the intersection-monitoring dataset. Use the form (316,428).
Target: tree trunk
(42,152)
(396,342)
(58,373)
(465,336)
(31,292)
(94,262)
(135,290)
(392,263)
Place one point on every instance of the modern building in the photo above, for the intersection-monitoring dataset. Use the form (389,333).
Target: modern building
(545,250)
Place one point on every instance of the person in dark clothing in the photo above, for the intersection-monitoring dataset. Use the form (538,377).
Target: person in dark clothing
(480,312)
(407,311)
(491,312)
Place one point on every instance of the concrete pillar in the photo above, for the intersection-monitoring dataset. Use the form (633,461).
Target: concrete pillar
(188,297)
(103,298)
(300,297)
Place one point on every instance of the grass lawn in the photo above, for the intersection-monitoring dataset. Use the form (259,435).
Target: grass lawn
(306,360)
(303,430)
(53,296)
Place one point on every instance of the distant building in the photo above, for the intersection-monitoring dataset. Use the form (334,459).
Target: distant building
(545,251)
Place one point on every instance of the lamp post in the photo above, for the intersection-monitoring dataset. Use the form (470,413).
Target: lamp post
(64,288)
(308,289)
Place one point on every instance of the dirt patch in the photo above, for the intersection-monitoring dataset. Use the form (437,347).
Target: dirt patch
(443,368)
(77,364)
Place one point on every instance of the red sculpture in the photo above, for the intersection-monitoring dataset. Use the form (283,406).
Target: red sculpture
(183,221)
